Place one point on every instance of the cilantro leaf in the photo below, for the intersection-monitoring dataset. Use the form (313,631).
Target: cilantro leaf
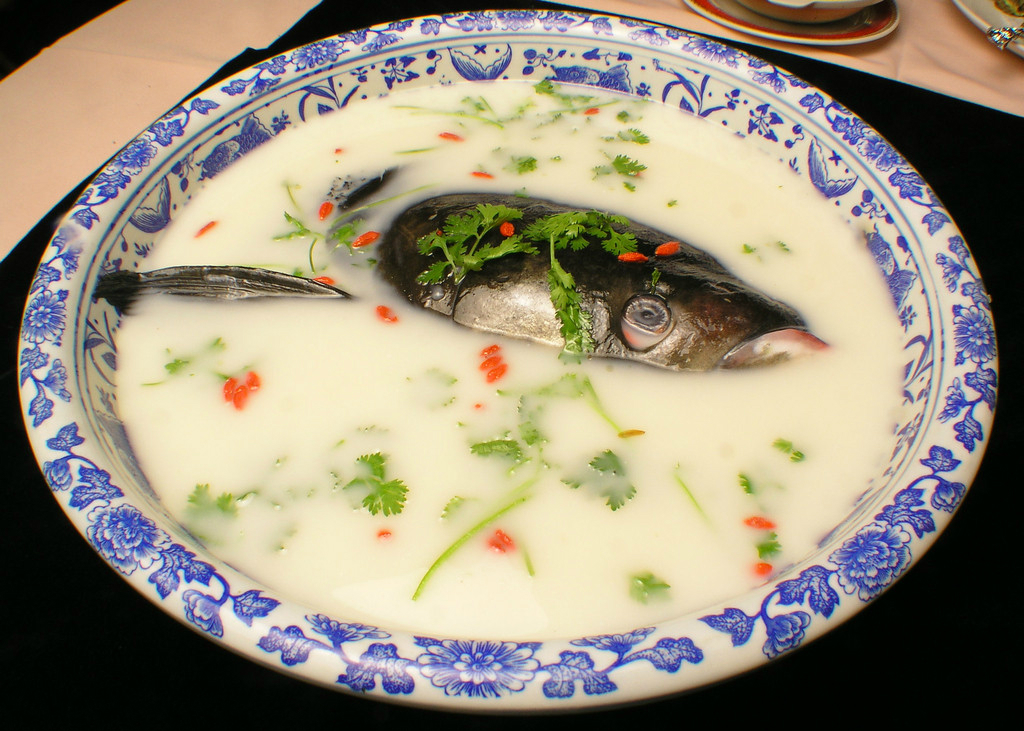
(634,135)
(786,447)
(621,164)
(499,447)
(300,229)
(202,501)
(461,242)
(646,586)
(769,547)
(382,495)
(522,165)
(610,482)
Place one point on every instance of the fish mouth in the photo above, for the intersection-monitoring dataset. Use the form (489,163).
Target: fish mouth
(772,347)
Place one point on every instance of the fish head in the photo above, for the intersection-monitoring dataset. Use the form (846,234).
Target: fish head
(678,315)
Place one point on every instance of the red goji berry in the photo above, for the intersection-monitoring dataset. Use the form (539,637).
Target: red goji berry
(500,542)
(632,256)
(667,249)
(759,522)
(490,350)
(324,280)
(592,110)
(481,174)
(384,535)
(763,568)
(205,228)
(507,229)
(497,373)
(386,314)
(252,381)
(365,239)
(230,386)
(325,209)
(239,397)
(450,136)
(338,150)
(491,362)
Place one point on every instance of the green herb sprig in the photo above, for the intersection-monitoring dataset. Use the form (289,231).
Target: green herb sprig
(381,495)
(460,241)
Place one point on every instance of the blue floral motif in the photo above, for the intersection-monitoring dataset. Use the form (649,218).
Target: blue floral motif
(474,668)
(317,54)
(697,98)
(667,655)
(380,660)
(713,51)
(203,611)
(516,20)
(762,119)
(785,631)
(870,561)
(126,538)
(45,317)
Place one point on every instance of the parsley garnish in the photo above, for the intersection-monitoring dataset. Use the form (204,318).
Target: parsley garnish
(460,241)
(610,482)
(499,447)
(769,547)
(646,586)
(634,135)
(576,230)
(523,164)
(786,447)
(202,501)
(621,164)
(382,495)
(746,484)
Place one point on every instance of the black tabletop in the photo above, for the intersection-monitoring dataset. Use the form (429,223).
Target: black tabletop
(80,643)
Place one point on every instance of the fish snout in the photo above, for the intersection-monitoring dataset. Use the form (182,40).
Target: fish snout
(772,347)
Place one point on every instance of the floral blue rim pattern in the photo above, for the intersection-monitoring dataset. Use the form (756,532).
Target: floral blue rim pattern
(68,358)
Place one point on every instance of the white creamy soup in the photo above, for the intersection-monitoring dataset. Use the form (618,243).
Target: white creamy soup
(353,455)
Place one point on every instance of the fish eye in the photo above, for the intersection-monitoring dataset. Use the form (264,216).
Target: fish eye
(646,321)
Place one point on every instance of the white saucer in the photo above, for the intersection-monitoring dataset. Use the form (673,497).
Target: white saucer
(870,24)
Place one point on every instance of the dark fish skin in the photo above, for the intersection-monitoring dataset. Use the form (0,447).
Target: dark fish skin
(717,321)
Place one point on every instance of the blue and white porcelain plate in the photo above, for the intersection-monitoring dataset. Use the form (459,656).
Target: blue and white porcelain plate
(67,360)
